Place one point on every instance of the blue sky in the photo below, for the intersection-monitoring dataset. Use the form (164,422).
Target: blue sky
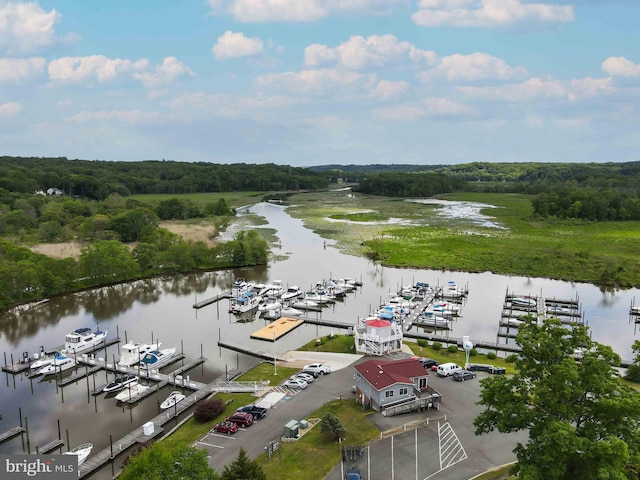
(312,82)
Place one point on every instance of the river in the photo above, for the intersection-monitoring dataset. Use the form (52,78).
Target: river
(161,309)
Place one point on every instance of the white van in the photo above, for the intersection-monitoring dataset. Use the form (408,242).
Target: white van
(446,369)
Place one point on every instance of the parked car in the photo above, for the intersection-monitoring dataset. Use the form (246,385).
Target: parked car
(447,369)
(243,419)
(225,427)
(428,363)
(257,412)
(353,474)
(462,375)
(313,373)
(305,376)
(296,383)
(317,367)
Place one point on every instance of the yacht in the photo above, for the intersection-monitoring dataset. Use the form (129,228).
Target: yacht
(245,303)
(42,361)
(271,303)
(157,358)
(81,451)
(294,291)
(275,288)
(133,352)
(132,391)
(83,339)
(59,364)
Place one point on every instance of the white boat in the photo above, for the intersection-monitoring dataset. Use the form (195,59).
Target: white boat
(316,297)
(119,383)
(526,302)
(634,310)
(175,397)
(245,303)
(294,291)
(275,289)
(42,361)
(83,339)
(132,391)
(303,304)
(453,291)
(289,311)
(431,320)
(157,358)
(81,451)
(133,352)
(60,364)
(271,303)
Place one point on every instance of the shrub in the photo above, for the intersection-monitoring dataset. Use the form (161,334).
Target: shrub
(511,358)
(207,410)
(452,349)
(491,355)
(422,342)
(437,346)
(473,352)
(633,373)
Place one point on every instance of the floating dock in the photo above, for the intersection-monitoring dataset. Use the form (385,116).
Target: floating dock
(214,299)
(254,353)
(277,329)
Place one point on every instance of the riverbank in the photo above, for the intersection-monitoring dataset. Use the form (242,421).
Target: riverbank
(400,233)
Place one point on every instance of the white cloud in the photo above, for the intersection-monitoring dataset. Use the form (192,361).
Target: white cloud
(487,13)
(14,70)
(10,109)
(374,51)
(536,88)
(475,66)
(234,45)
(324,82)
(90,68)
(25,27)
(620,67)
(300,10)
(405,112)
(428,107)
(132,117)
(443,107)
(164,74)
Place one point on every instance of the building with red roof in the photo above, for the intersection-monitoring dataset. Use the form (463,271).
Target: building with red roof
(377,336)
(384,383)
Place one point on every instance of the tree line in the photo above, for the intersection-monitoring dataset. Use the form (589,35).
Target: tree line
(408,184)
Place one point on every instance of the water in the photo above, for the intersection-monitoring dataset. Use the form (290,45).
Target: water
(161,309)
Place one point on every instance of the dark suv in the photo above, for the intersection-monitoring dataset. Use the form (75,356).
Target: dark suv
(242,419)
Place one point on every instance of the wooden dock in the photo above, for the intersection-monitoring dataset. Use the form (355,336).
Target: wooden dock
(277,329)
(50,447)
(214,299)
(329,323)
(248,351)
(9,434)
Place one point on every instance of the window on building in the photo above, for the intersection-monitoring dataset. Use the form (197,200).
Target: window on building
(403,391)
(388,393)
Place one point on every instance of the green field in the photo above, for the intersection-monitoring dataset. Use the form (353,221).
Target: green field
(603,253)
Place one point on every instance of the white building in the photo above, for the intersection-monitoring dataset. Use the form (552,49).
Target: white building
(378,337)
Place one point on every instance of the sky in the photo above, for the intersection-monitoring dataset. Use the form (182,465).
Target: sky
(316,82)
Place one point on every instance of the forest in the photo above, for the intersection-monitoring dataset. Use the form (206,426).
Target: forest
(56,200)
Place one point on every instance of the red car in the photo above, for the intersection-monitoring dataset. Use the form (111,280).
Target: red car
(226,427)
(242,419)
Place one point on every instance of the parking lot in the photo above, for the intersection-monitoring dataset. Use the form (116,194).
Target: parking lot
(434,444)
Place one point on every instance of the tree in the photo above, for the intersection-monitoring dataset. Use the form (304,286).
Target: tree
(332,426)
(633,370)
(159,463)
(243,469)
(582,421)
(107,260)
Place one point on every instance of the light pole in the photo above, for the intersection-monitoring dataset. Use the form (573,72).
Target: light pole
(468,346)
(275,369)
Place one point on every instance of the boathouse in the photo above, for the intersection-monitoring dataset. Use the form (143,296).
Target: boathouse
(378,337)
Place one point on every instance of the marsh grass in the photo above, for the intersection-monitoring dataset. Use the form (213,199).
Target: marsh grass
(603,253)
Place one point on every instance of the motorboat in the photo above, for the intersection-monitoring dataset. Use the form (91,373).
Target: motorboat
(428,319)
(133,352)
(316,297)
(271,303)
(275,289)
(59,364)
(132,392)
(304,304)
(83,339)
(524,302)
(81,451)
(157,358)
(42,361)
(294,291)
(245,303)
(401,302)
(452,291)
(289,311)
(121,382)
(174,398)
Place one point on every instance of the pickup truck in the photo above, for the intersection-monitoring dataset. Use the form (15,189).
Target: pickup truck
(257,412)
(318,368)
